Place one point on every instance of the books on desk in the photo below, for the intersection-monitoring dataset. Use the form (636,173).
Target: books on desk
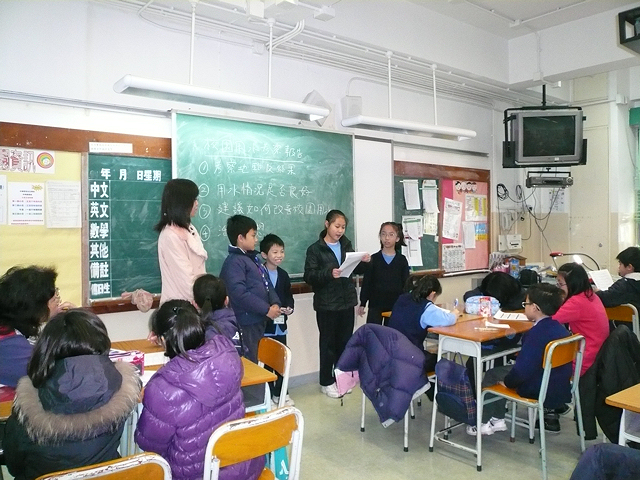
(500,315)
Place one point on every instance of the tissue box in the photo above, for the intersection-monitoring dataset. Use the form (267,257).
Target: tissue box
(134,357)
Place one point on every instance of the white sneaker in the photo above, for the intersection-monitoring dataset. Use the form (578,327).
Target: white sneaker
(330,391)
(485,429)
(287,401)
(498,424)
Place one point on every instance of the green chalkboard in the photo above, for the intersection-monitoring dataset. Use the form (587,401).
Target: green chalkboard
(285,178)
(123,197)
(428,244)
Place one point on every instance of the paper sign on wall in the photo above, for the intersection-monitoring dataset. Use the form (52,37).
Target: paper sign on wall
(20,160)
(26,203)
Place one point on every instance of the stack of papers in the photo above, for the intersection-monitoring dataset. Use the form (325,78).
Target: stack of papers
(500,315)
(496,325)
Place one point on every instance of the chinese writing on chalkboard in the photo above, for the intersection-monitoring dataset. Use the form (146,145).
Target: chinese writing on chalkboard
(118,202)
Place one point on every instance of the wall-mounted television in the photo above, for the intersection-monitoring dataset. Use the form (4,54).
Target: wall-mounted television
(542,137)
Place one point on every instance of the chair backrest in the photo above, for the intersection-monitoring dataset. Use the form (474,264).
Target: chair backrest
(250,437)
(625,313)
(560,352)
(277,356)
(147,466)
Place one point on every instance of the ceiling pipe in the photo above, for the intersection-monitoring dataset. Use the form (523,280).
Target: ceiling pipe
(194,3)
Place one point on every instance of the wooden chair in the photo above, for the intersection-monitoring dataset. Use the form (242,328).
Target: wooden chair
(625,313)
(250,437)
(147,466)
(557,353)
(276,356)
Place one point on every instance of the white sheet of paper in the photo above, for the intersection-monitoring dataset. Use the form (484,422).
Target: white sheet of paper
(351,261)
(453,257)
(412,226)
(413,252)
(26,203)
(3,199)
(500,315)
(475,208)
(602,279)
(430,223)
(451,219)
(63,204)
(430,196)
(469,234)
(411,196)
(496,325)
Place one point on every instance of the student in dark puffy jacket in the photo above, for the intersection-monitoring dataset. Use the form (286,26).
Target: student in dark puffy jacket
(334,297)
(607,461)
(626,289)
(210,295)
(71,409)
(191,396)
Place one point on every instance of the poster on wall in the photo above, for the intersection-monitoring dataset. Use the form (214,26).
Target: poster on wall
(63,204)
(453,257)
(26,203)
(451,219)
(21,160)
(475,208)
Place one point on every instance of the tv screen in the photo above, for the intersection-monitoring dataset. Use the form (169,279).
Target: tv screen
(545,137)
(548,136)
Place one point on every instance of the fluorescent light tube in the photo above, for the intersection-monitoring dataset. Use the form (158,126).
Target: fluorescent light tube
(408,128)
(146,87)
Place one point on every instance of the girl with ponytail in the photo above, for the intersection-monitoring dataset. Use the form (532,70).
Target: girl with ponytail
(193,394)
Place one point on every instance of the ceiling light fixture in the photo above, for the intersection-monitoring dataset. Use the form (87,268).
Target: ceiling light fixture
(147,87)
(352,117)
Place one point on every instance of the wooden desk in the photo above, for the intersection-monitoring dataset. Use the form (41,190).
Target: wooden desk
(253,373)
(629,401)
(466,337)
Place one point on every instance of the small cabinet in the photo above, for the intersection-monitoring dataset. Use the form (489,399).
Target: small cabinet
(629,29)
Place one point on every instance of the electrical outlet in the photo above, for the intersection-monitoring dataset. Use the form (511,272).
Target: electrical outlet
(502,243)
(514,242)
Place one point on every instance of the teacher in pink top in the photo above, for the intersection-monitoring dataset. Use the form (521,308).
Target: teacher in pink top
(180,251)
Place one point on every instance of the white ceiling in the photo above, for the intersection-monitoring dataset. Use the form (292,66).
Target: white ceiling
(513,18)
(234,21)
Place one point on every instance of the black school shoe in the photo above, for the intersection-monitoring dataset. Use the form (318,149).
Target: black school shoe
(551,423)
(564,410)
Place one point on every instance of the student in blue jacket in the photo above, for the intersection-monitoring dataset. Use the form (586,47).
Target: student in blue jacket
(543,300)
(251,294)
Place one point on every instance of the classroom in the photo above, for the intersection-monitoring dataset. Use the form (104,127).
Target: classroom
(440,63)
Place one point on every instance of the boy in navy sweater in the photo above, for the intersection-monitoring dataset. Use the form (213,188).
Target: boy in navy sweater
(543,300)
(627,289)
(250,291)
(272,250)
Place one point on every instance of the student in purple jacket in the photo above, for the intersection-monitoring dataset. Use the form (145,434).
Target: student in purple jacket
(193,394)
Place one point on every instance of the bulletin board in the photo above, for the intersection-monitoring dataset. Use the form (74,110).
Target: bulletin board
(35,244)
(461,242)
(62,248)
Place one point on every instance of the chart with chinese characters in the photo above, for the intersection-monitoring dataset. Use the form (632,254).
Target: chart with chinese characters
(286,179)
(123,205)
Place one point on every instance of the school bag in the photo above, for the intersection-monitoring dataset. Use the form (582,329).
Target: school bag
(455,396)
